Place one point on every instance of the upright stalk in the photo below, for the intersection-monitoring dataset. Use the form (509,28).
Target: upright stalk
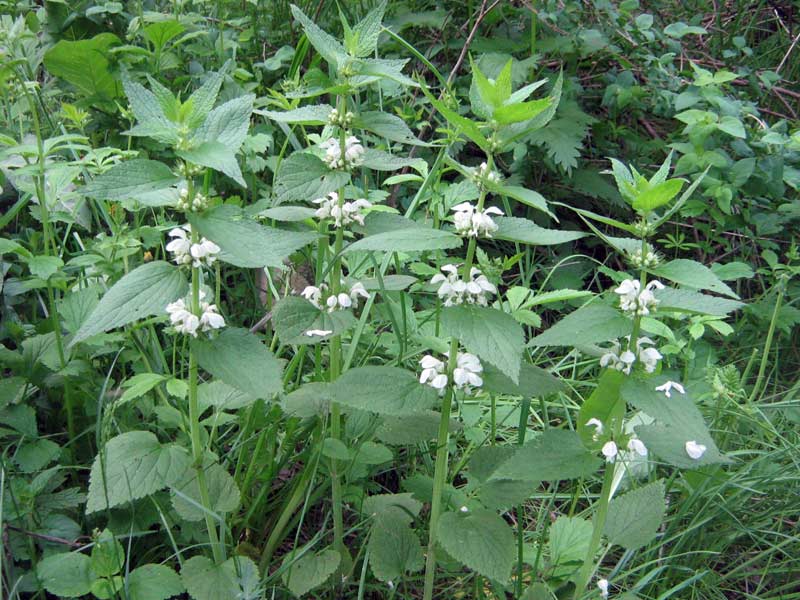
(442,440)
(194,425)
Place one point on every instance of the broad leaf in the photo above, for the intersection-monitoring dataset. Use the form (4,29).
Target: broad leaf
(568,544)
(328,47)
(479,539)
(657,195)
(217,156)
(311,571)
(143,292)
(387,126)
(66,575)
(315,114)
(589,324)
(682,300)
(604,404)
(411,239)
(394,548)
(633,519)
(294,316)
(534,382)
(305,177)
(241,360)
(515,229)
(383,390)
(245,242)
(85,64)
(490,333)
(133,465)
(154,582)
(133,180)
(222,491)
(237,577)
(553,455)
(694,275)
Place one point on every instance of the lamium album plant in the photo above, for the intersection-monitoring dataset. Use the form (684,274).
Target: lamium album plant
(308,327)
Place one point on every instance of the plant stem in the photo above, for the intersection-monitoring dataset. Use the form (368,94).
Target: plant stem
(587,569)
(439,474)
(768,343)
(194,425)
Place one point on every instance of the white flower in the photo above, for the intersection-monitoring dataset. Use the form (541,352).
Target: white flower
(474,223)
(598,426)
(184,252)
(610,451)
(613,359)
(357,290)
(318,332)
(210,318)
(353,153)
(313,294)
(637,446)
(339,301)
(603,585)
(484,174)
(433,372)
(466,374)
(454,290)
(635,300)
(348,212)
(695,450)
(669,386)
(182,319)
(649,357)
(464,509)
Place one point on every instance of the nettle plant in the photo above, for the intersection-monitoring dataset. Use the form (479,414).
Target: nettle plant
(404,333)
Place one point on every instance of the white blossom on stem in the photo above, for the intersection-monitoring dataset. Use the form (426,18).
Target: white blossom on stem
(353,153)
(471,222)
(434,373)
(636,445)
(348,212)
(454,290)
(636,301)
(466,375)
(610,451)
(182,318)
(184,252)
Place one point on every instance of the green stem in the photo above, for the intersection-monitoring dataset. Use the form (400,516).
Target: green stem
(194,425)
(588,567)
(768,344)
(439,474)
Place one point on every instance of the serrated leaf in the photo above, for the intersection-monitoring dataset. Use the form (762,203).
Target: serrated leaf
(241,360)
(108,556)
(553,455)
(378,160)
(568,544)
(131,180)
(387,126)
(227,124)
(315,114)
(245,242)
(368,30)
(410,239)
(143,292)
(311,571)
(490,333)
(383,390)
(589,324)
(633,519)
(515,229)
(327,46)
(405,503)
(153,582)
(657,195)
(412,429)
(534,382)
(521,194)
(222,491)
(85,64)
(694,275)
(237,577)
(394,548)
(481,540)
(462,124)
(66,575)
(133,465)
(516,112)
(304,176)
(294,316)
(681,300)
(217,156)
(139,385)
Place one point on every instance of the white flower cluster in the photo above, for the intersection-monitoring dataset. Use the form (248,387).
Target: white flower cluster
(647,357)
(333,302)
(348,212)
(466,375)
(197,203)
(184,252)
(634,299)
(612,452)
(454,290)
(644,260)
(353,153)
(483,175)
(344,121)
(186,322)
(471,222)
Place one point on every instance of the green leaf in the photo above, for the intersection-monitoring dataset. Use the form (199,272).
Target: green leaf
(311,571)
(245,242)
(133,465)
(412,429)
(153,582)
(44,266)
(378,160)
(67,575)
(108,555)
(85,65)
(479,539)
(143,292)
(139,385)
(604,404)
(305,177)
(589,324)
(732,126)
(657,196)
(410,239)
(315,114)
(241,360)
(35,455)
(633,519)
(517,112)
(394,548)
(515,229)
(151,119)
(160,33)
(490,333)
(222,491)
(383,390)
(368,30)
(133,180)
(680,29)
(569,542)
(462,124)
(387,126)
(404,504)
(373,69)
(534,382)
(327,46)
(553,455)
(682,300)
(217,156)
(521,194)
(678,420)
(237,577)
(294,316)
(227,124)
(202,100)
(693,275)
